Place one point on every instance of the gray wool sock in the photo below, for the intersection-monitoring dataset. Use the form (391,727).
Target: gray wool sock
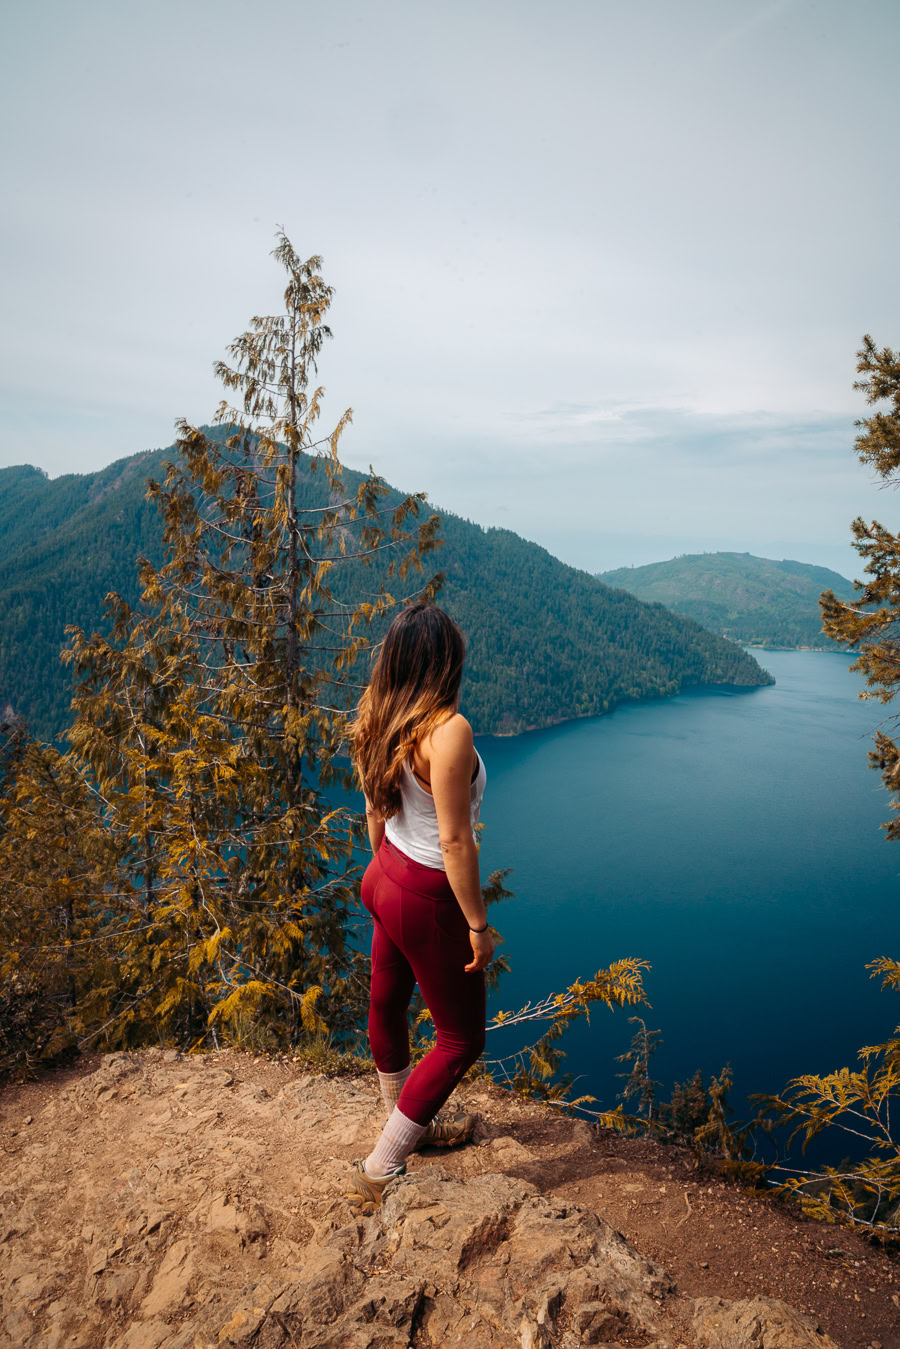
(398,1138)
(391,1085)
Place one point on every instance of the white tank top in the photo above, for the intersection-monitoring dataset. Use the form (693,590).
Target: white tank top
(414,829)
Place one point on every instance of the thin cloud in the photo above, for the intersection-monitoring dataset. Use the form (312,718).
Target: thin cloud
(733,37)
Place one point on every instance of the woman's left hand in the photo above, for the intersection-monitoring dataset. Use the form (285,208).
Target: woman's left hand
(482,948)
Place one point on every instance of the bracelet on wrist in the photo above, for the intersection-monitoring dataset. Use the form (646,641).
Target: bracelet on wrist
(479,929)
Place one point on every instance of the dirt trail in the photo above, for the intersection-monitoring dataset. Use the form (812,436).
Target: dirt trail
(152,1201)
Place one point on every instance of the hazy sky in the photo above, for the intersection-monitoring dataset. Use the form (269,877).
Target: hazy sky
(601,269)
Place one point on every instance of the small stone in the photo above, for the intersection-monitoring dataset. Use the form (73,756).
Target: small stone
(27,1119)
(171,1282)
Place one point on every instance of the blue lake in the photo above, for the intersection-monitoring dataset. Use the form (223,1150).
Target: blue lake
(729,837)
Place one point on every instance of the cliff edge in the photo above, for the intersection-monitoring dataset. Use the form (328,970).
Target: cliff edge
(154,1201)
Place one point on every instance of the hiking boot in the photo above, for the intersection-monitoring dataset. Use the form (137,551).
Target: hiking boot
(365,1192)
(448,1129)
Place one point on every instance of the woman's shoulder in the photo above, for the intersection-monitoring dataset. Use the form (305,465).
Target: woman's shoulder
(450,739)
(451,735)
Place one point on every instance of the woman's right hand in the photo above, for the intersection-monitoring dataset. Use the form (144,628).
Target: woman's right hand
(482,949)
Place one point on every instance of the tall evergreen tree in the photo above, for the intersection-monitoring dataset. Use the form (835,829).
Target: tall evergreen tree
(864,1193)
(871,623)
(213,720)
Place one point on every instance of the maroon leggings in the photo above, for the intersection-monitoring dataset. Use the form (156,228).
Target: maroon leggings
(421,937)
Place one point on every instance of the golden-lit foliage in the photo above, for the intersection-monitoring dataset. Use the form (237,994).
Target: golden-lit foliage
(193,837)
(57,971)
(534,1069)
(863,1192)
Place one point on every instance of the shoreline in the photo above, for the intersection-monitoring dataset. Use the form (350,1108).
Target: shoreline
(626,702)
(637,702)
(834,648)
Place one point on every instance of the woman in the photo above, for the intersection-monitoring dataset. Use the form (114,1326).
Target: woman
(423,782)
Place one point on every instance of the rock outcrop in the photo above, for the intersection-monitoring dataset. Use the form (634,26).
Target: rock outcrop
(162,1203)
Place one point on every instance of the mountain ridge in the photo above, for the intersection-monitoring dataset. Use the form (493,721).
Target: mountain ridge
(546,642)
(755,600)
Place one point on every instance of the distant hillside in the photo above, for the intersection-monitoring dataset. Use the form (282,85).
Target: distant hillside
(546,642)
(750,599)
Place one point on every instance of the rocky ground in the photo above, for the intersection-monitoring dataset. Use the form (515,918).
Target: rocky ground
(159,1202)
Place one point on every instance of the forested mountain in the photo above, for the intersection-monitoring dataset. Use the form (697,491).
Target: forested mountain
(750,599)
(546,642)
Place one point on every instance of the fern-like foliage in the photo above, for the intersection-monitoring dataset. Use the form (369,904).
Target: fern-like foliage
(855,1102)
(858,1102)
(534,1070)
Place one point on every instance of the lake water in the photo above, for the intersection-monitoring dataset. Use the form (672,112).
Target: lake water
(729,837)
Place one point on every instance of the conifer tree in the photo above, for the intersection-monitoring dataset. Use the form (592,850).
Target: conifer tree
(865,1193)
(213,720)
(639,1083)
(871,624)
(55,861)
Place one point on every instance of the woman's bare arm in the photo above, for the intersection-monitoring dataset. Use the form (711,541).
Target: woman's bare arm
(375,826)
(450,752)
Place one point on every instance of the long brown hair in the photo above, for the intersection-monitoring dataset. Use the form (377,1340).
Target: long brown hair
(414,685)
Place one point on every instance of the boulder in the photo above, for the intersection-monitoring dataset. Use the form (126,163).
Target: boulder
(498,1252)
(755,1323)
